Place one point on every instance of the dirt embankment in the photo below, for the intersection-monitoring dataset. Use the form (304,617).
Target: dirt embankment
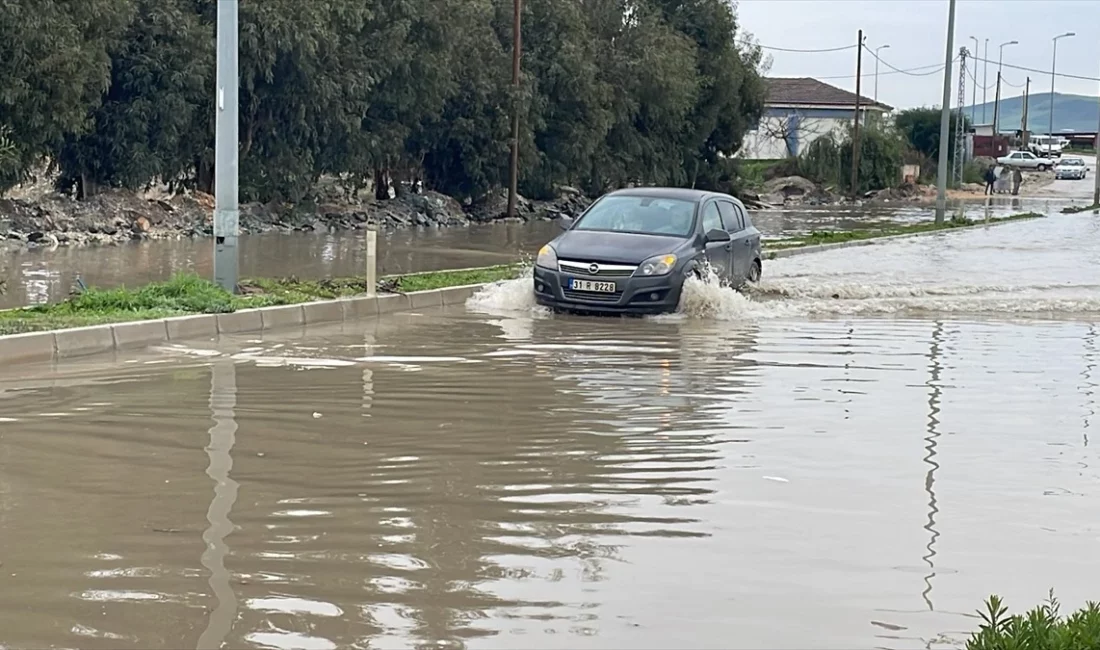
(53,219)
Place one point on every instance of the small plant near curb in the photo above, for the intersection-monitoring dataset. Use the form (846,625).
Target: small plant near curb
(1042,628)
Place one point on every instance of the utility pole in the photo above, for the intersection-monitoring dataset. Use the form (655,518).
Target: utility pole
(855,128)
(1096,167)
(945,120)
(960,130)
(997,108)
(226,215)
(1023,119)
(513,181)
(985,78)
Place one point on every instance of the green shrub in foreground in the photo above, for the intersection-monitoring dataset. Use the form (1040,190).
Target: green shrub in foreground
(1042,628)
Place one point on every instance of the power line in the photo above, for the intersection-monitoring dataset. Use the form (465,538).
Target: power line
(1037,71)
(787,49)
(899,70)
(938,67)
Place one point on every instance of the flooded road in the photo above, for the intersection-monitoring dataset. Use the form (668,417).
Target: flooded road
(787,470)
(42,275)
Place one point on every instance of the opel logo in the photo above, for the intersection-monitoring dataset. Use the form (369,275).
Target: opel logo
(593,268)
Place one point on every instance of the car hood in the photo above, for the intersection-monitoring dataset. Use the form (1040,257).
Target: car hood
(615,247)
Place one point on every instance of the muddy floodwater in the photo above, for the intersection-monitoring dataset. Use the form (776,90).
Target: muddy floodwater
(853,456)
(43,275)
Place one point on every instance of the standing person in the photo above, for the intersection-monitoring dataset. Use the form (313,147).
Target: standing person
(1017,179)
(990,179)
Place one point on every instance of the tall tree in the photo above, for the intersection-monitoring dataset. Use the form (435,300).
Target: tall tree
(54,67)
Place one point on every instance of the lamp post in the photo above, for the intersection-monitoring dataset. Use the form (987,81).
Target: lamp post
(877,49)
(226,213)
(974,91)
(1053,63)
(985,78)
(945,118)
(997,110)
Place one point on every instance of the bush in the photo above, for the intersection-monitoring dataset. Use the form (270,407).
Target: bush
(820,162)
(974,172)
(1042,628)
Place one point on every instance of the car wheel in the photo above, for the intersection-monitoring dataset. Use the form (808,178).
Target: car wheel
(1042,168)
(755,272)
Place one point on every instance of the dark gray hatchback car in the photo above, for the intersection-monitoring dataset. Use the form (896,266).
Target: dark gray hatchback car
(631,250)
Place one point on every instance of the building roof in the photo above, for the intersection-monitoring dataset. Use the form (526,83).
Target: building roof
(806,91)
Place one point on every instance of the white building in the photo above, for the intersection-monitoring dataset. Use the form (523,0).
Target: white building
(799,111)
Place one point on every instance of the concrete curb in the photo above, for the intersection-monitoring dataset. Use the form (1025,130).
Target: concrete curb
(821,248)
(97,339)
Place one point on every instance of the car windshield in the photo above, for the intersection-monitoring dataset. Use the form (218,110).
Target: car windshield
(643,215)
(1072,162)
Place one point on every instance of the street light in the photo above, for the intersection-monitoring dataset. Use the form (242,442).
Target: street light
(997,98)
(1053,63)
(985,78)
(226,156)
(974,92)
(880,47)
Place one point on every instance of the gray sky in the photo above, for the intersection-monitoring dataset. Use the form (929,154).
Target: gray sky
(916,31)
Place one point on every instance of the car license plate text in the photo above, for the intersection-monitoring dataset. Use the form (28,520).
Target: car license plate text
(589,285)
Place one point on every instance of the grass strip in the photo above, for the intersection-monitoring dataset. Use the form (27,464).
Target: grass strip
(834,236)
(186,294)
(1075,209)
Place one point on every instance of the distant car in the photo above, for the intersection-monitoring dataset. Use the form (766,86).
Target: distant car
(1047,146)
(1070,168)
(631,251)
(1024,160)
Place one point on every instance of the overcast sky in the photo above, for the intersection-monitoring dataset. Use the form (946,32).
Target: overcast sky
(916,31)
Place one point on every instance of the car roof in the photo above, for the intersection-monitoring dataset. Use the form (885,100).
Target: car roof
(680,193)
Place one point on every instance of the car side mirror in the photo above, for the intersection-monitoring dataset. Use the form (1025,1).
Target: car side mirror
(566,223)
(717,236)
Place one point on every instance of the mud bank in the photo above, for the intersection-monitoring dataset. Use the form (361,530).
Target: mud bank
(118,216)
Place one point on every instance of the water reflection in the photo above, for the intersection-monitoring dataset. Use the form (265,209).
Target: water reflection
(223,400)
(935,368)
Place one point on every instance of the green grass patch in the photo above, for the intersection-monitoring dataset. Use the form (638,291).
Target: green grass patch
(1075,209)
(1042,628)
(834,236)
(460,277)
(187,294)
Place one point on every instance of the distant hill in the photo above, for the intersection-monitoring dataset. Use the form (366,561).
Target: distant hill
(1076,112)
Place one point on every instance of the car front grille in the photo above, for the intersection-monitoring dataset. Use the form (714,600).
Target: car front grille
(602,270)
(591,296)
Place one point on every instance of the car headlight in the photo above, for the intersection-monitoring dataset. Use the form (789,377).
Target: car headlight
(660,265)
(548,258)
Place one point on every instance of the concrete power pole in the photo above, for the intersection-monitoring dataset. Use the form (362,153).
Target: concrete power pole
(513,180)
(1096,167)
(985,78)
(997,107)
(945,120)
(855,127)
(226,156)
(1023,118)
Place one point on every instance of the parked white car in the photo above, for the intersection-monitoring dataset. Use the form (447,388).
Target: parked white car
(1070,168)
(1024,160)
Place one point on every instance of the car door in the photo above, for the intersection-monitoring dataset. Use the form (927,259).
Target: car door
(741,255)
(750,236)
(719,254)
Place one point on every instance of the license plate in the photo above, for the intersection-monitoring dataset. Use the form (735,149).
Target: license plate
(590,285)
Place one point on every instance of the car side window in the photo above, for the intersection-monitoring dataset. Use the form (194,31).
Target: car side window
(711,218)
(1017,155)
(1027,155)
(742,218)
(730,222)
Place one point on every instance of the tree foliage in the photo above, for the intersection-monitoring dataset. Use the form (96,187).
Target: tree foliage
(119,93)
(921,129)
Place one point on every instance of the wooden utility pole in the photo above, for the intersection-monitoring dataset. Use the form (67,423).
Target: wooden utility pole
(997,108)
(1023,119)
(513,181)
(855,127)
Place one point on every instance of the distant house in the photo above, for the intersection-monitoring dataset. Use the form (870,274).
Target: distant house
(800,110)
